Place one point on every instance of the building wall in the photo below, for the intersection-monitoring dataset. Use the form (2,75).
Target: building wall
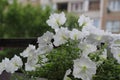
(60,1)
(108,15)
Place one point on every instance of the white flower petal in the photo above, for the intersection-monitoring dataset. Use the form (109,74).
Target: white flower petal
(56,20)
(84,68)
(28,51)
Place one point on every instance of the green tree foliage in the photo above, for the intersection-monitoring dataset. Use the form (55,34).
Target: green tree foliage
(3,4)
(24,21)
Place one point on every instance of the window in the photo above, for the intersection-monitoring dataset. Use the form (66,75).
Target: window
(114,5)
(109,26)
(113,26)
(77,6)
(94,5)
(62,6)
(96,23)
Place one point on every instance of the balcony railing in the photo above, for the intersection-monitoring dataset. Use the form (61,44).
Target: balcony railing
(22,42)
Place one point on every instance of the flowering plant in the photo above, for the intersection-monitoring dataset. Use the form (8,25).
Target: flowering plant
(87,53)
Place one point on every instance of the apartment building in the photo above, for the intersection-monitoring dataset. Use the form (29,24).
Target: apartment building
(105,13)
(24,2)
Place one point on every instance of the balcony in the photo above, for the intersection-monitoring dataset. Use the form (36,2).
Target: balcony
(94,5)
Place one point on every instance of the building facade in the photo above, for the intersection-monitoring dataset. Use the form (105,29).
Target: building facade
(105,13)
(24,2)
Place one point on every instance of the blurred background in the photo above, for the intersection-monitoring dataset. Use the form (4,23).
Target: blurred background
(27,18)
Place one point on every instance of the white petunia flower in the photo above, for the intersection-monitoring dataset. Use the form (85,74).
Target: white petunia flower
(2,68)
(66,75)
(32,57)
(45,39)
(56,20)
(45,44)
(10,68)
(61,36)
(76,34)
(84,21)
(116,53)
(5,63)
(12,65)
(43,49)
(17,62)
(91,29)
(84,68)
(28,51)
(29,67)
(31,63)
(87,49)
(96,35)
(116,40)
(99,37)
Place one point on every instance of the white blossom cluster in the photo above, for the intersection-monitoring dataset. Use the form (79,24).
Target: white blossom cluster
(89,38)
(11,65)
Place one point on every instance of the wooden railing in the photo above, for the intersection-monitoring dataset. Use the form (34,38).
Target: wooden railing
(21,42)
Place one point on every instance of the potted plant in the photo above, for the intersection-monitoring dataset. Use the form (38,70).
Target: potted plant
(86,53)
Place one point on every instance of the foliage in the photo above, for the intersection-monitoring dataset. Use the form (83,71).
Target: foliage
(3,4)
(20,21)
(109,70)
(71,21)
(10,52)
